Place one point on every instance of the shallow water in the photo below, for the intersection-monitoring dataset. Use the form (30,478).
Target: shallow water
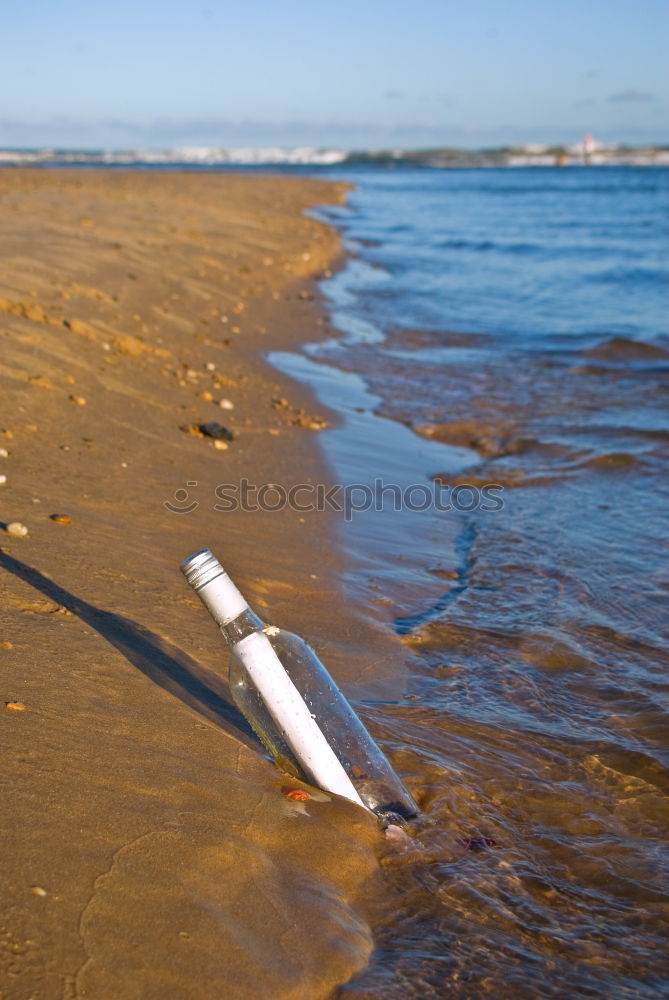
(510,327)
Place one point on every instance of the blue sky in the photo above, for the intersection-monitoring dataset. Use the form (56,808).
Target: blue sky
(367,74)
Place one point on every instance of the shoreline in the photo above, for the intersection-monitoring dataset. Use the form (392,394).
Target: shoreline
(125,873)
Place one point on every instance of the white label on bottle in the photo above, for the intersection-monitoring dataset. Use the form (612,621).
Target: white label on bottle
(292,716)
(222,599)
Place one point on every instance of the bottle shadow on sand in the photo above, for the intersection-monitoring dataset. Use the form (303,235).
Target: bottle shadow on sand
(159,659)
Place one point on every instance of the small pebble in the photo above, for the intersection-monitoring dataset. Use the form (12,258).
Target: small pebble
(6,645)
(205,396)
(79,400)
(3,480)
(16,529)
(210,366)
(37,890)
(400,840)
(15,706)
(296,794)
(226,404)
(4,453)
(311,423)
(221,445)
(61,518)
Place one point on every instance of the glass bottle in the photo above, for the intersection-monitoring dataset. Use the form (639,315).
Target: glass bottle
(292,703)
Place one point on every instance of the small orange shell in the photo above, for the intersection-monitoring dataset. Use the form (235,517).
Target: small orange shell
(61,518)
(15,706)
(296,794)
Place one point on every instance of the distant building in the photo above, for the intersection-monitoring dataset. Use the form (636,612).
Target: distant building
(589,146)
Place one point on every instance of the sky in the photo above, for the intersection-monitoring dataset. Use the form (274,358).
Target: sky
(365,74)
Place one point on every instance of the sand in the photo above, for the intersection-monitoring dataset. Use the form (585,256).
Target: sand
(147,848)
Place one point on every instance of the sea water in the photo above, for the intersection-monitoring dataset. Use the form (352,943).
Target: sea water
(509,328)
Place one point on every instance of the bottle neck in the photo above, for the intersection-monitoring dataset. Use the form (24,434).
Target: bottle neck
(241,626)
(214,588)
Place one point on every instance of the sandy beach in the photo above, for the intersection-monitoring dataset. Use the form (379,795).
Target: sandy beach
(147,849)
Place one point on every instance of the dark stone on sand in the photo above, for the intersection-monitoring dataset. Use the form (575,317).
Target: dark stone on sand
(217,431)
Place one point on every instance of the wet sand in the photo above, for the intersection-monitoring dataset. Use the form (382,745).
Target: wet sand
(147,849)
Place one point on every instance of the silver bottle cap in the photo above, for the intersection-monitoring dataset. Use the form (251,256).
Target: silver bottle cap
(201,568)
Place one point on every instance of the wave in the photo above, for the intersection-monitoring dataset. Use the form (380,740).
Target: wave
(628,276)
(483,245)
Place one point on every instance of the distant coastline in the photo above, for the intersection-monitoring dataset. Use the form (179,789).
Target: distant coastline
(580,154)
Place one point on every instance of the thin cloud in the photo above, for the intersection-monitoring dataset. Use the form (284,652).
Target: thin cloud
(632,97)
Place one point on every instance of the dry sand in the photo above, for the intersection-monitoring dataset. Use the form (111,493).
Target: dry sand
(147,849)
